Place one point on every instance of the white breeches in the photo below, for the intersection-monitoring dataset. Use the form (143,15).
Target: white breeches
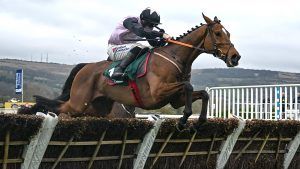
(118,52)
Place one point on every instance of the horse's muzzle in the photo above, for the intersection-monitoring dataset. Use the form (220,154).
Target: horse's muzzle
(234,60)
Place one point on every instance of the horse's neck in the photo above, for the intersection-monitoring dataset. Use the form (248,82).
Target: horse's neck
(185,55)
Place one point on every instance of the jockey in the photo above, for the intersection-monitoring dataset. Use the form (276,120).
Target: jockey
(133,28)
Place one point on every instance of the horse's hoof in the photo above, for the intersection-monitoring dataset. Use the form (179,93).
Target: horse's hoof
(180,127)
(193,129)
(201,121)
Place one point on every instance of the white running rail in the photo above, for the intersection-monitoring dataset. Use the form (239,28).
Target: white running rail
(269,102)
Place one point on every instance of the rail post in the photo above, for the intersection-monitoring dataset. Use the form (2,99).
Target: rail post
(34,152)
(146,145)
(227,146)
(291,151)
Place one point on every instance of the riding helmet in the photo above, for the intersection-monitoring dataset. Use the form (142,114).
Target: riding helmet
(150,16)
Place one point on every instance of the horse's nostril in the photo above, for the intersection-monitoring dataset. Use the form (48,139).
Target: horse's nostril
(235,59)
(238,57)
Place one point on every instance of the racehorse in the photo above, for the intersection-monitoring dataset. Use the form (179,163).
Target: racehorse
(167,79)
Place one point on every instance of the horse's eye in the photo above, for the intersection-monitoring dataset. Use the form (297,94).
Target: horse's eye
(218,33)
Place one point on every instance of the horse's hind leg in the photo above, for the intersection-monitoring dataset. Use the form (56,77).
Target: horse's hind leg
(66,111)
(103,106)
(122,111)
(81,93)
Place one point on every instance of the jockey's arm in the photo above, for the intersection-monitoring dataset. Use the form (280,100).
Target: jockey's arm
(133,25)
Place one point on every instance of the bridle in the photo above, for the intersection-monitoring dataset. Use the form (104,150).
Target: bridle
(215,51)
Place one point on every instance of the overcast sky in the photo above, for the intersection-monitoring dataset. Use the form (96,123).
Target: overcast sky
(265,32)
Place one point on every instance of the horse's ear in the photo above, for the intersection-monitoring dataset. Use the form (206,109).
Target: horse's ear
(216,20)
(207,19)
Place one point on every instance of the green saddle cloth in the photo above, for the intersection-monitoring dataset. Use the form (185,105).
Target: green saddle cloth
(131,71)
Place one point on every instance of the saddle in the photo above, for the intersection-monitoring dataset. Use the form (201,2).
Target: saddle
(135,70)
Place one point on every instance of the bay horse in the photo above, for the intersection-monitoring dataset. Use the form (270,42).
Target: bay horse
(167,79)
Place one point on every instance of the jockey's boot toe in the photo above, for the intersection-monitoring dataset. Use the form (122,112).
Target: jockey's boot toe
(118,73)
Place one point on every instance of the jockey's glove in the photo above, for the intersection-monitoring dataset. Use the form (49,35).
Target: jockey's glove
(162,30)
(156,34)
(166,36)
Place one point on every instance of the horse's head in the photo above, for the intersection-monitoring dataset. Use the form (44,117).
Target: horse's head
(217,42)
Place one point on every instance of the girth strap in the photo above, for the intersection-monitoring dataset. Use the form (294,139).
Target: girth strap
(136,93)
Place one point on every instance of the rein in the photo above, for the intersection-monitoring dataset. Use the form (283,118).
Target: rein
(185,44)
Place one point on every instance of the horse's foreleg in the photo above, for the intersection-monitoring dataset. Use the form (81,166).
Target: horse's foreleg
(203,95)
(187,112)
(196,95)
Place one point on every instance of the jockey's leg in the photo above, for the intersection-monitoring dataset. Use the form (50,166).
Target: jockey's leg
(130,57)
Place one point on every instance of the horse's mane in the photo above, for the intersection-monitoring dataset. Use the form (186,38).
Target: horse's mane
(189,31)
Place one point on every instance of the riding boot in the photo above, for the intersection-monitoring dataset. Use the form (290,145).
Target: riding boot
(119,70)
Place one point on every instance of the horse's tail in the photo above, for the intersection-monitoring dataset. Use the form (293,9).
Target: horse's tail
(65,94)
(44,104)
(48,104)
(31,110)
